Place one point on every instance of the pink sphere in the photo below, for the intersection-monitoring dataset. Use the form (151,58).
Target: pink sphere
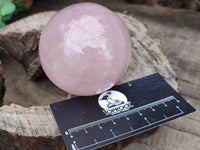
(85,49)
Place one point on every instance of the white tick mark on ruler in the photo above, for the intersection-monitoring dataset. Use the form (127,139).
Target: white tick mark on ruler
(165,105)
(85,131)
(140,113)
(113,122)
(73,147)
(153,109)
(147,120)
(179,109)
(95,141)
(131,128)
(100,127)
(112,132)
(69,134)
(130,84)
(66,133)
(165,116)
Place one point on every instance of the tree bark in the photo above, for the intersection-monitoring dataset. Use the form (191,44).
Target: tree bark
(2,86)
(34,127)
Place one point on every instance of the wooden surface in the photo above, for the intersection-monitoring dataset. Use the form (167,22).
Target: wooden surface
(26,128)
(179,36)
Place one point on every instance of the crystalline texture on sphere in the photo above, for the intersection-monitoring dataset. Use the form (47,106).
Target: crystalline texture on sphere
(85,49)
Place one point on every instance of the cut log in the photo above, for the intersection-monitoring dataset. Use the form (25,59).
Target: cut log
(34,127)
(2,86)
(20,40)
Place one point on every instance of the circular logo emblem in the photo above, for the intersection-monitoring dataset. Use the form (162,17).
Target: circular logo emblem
(111,99)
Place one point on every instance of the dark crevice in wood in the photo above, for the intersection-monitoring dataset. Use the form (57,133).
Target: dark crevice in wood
(2,84)
(24,48)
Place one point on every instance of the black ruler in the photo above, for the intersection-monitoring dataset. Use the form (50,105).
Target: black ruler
(94,121)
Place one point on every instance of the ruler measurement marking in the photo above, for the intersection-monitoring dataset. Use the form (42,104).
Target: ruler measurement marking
(100,127)
(147,120)
(112,132)
(117,116)
(113,122)
(76,146)
(66,133)
(95,141)
(85,131)
(127,118)
(73,146)
(131,128)
(71,136)
(179,109)
(132,131)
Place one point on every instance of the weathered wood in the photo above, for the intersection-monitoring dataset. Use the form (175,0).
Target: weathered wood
(20,40)
(34,127)
(2,86)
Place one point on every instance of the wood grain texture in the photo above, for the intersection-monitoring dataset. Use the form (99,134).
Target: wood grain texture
(34,127)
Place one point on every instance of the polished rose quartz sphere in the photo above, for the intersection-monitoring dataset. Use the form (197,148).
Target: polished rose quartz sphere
(85,49)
